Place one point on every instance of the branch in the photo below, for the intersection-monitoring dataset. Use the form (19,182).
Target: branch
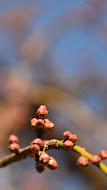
(49,144)
(23,153)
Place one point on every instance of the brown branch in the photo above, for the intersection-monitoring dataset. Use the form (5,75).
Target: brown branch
(23,153)
(48,144)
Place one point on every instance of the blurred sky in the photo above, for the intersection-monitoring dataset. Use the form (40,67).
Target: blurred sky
(76,42)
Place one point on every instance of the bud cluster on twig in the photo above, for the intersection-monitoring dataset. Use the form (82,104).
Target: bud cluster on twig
(42,123)
(42,158)
(38,147)
(69,139)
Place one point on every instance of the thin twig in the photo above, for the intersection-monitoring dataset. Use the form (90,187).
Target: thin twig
(49,144)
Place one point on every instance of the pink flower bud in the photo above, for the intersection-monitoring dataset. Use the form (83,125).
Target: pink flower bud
(66,135)
(95,159)
(46,120)
(44,157)
(73,138)
(40,167)
(52,164)
(68,145)
(38,142)
(42,112)
(40,123)
(14,148)
(103,154)
(33,123)
(82,161)
(35,148)
(13,139)
(48,127)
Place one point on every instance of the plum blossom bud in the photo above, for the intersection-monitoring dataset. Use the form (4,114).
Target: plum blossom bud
(33,123)
(103,154)
(68,145)
(95,159)
(48,127)
(52,164)
(73,138)
(40,123)
(14,148)
(40,167)
(44,157)
(42,112)
(46,120)
(35,148)
(13,139)
(66,135)
(82,161)
(39,142)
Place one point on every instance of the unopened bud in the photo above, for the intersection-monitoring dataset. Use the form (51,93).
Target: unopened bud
(42,112)
(82,161)
(66,135)
(73,138)
(46,120)
(38,142)
(44,157)
(103,154)
(40,123)
(35,148)
(14,148)
(52,164)
(68,145)
(33,123)
(40,167)
(95,159)
(48,127)
(13,139)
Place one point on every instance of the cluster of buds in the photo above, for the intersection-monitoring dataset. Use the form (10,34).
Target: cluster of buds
(42,125)
(41,122)
(42,158)
(37,145)
(14,146)
(45,160)
(69,139)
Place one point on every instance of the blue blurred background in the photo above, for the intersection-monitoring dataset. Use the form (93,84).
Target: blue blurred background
(54,53)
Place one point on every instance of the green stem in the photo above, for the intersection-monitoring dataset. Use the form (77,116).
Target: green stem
(49,144)
(82,151)
(86,154)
